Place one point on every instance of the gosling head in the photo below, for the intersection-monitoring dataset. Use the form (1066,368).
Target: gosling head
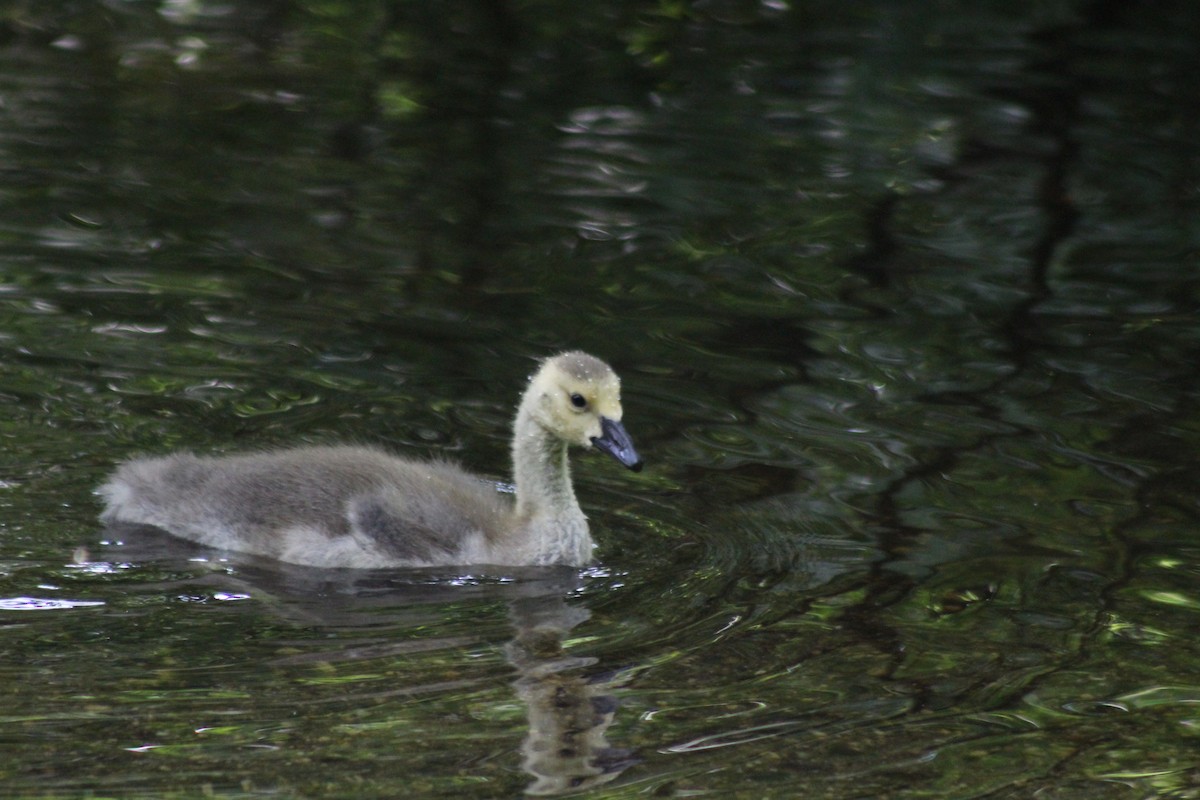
(577,397)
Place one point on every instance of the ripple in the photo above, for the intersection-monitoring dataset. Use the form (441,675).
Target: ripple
(1177,599)
(1162,696)
(273,402)
(870,711)
(725,447)
(43,603)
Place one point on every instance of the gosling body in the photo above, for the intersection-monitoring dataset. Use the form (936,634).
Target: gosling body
(349,506)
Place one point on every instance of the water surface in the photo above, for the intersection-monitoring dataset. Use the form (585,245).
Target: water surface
(904,303)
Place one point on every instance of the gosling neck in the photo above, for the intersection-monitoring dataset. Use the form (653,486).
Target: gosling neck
(541,472)
(550,528)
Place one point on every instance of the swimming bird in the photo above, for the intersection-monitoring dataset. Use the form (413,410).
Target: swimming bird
(355,506)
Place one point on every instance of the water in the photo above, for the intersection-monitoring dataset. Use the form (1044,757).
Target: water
(905,307)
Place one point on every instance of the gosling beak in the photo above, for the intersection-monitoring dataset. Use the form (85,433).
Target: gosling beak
(616,442)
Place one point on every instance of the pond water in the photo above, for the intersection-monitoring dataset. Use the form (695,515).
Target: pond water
(904,299)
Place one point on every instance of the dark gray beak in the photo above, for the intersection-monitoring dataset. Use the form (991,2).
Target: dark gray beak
(616,442)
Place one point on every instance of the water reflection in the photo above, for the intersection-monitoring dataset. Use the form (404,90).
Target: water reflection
(570,711)
(908,295)
(567,699)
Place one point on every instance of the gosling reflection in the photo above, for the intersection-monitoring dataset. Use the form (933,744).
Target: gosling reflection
(566,749)
(568,700)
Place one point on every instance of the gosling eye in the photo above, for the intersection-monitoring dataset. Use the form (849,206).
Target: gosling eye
(578,400)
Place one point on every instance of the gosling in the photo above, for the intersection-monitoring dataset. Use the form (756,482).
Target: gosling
(351,506)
